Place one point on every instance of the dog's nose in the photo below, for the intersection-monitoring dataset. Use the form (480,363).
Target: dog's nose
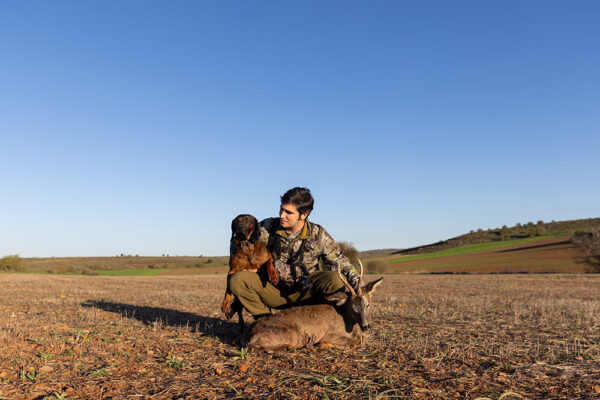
(365,327)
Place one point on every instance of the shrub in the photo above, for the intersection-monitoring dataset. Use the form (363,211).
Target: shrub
(376,267)
(10,263)
(589,242)
(350,251)
(88,271)
(62,269)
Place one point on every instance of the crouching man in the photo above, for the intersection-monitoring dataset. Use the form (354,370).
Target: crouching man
(305,256)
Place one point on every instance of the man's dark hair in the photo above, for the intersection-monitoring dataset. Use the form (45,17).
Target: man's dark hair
(301,198)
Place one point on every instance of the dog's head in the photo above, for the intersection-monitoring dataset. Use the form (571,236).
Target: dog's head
(245,227)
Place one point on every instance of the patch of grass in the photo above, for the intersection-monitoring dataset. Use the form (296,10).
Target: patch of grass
(97,372)
(329,383)
(31,376)
(242,355)
(58,396)
(37,340)
(132,272)
(176,362)
(502,396)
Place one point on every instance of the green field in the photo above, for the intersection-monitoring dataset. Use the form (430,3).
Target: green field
(468,249)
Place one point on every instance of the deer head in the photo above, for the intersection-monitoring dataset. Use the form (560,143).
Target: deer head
(357,303)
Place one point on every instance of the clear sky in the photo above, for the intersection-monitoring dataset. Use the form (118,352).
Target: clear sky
(144,127)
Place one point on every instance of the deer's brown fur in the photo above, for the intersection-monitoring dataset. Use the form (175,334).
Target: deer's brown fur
(340,324)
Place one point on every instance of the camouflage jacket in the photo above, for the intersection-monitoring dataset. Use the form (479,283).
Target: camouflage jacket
(312,249)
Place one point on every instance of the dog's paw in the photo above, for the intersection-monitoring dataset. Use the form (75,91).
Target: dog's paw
(273,276)
(226,307)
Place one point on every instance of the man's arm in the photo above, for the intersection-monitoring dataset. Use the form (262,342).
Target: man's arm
(334,258)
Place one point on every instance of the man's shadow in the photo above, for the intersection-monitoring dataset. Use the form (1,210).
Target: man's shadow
(226,332)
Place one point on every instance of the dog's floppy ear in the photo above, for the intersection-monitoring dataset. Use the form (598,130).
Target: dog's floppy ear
(256,233)
(234,226)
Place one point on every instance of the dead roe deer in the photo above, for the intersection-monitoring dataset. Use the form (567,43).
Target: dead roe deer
(339,324)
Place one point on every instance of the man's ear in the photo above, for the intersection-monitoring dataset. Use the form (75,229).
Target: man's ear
(338,298)
(303,216)
(371,286)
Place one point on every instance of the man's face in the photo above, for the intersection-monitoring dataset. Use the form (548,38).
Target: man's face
(290,219)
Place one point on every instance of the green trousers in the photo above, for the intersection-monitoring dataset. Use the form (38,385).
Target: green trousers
(259,296)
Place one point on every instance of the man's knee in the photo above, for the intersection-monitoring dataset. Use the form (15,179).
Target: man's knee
(335,281)
(242,280)
(327,282)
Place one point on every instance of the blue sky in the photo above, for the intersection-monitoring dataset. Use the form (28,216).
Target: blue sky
(144,127)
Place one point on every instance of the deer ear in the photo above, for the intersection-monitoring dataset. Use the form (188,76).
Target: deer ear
(338,298)
(371,286)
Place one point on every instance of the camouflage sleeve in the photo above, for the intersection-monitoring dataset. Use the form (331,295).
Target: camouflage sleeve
(266,226)
(334,258)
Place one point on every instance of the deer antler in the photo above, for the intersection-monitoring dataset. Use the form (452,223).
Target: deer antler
(360,278)
(349,286)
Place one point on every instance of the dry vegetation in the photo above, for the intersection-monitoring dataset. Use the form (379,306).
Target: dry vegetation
(589,244)
(434,337)
(93,265)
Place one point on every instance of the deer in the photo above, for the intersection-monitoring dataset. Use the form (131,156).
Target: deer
(341,323)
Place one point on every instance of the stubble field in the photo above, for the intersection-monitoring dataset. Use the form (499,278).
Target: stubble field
(434,337)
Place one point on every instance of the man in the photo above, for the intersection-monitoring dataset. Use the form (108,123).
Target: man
(304,254)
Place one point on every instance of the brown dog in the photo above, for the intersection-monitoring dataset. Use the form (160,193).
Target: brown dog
(249,254)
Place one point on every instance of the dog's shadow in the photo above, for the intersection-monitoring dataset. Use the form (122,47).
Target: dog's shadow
(226,332)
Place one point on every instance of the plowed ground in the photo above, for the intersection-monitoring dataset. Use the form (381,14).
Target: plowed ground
(434,337)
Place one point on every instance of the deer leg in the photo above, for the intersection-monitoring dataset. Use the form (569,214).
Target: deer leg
(341,341)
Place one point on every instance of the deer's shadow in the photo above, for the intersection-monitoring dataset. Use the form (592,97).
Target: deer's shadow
(226,332)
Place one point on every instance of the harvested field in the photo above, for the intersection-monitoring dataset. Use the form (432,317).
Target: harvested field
(93,265)
(541,256)
(434,337)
